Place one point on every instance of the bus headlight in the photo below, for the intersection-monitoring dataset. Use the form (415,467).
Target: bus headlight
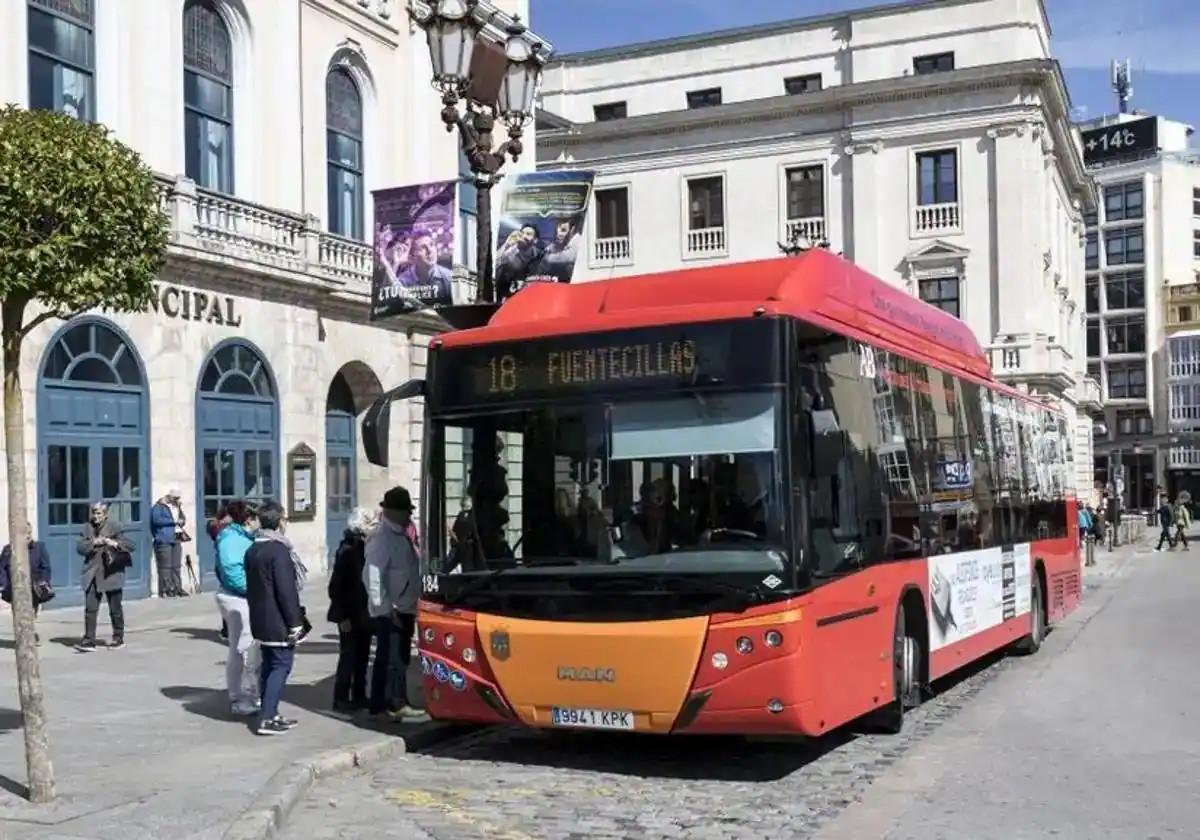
(720,661)
(773,638)
(448,640)
(468,655)
(429,635)
(744,645)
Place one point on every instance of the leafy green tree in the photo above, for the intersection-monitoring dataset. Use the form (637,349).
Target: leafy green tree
(80,228)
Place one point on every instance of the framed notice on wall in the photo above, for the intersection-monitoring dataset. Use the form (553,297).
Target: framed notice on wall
(302,483)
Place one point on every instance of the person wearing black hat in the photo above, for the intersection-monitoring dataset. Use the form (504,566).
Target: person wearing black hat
(392,577)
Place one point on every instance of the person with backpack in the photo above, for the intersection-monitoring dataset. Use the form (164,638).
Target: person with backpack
(1183,521)
(1084,517)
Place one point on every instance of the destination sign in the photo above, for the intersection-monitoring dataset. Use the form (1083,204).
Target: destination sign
(1127,139)
(729,353)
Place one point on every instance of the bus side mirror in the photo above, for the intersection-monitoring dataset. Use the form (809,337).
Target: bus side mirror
(377,420)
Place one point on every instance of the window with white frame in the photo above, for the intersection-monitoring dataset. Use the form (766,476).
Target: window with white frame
(1124,246)
(706,202)
(1184,356)
(62,57)
(1091,294)
(1123,201)
(343,145)
(1195,201)
(937,63)
(1127,381)
(937,177)
(610,111)
(207,96)
(1125,290)
(1196,244)
(707,98)
(1126,334)
(1091,251)
(1134,423)
(612,224)
(805,192)
(794,85)
(1090,218)
(1093,339)
(942,292)
(1185,402)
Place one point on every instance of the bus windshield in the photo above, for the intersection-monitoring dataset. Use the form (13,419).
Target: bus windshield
(685,483)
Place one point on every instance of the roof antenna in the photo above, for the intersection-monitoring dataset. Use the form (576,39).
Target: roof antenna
(1122,84)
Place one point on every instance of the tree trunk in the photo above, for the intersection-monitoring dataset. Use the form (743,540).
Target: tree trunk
(29,678)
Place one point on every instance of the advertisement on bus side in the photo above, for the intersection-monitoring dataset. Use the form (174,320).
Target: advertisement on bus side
(973,591)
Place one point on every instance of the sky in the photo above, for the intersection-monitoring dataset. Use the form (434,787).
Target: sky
(1159,37)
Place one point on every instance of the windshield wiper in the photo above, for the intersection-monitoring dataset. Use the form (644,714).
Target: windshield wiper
(712,586)
(475,584)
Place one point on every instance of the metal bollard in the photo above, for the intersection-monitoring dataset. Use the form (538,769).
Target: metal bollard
(1089,548)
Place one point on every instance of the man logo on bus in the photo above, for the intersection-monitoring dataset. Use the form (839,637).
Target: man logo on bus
(500,648)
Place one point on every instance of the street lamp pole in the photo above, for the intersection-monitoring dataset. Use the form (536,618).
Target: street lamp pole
(455,30)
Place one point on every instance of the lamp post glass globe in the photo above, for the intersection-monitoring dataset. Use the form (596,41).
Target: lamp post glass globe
(451,31)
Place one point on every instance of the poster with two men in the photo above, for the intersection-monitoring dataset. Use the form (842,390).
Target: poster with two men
(540,235)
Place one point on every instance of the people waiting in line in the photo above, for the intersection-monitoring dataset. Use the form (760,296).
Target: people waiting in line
(214,527)
(39,573)
(391,575)
(242,664)
(167,521)
(274,578)
(348,610)
(107,554)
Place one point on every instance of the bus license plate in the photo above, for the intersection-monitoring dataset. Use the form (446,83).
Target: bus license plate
(592,718)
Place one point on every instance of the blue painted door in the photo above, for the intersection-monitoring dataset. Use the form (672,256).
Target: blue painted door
(237,438)
(341,494)
(93,444)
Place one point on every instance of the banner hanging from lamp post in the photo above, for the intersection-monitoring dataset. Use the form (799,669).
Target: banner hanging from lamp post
(414,248)
(541,228)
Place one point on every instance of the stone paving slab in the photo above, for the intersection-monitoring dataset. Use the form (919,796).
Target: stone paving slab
(142,741)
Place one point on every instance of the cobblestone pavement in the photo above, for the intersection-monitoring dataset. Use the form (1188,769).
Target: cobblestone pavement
(515,784)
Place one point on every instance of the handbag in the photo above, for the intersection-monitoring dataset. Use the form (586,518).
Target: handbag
(116,562)
(43,591)
(184,536)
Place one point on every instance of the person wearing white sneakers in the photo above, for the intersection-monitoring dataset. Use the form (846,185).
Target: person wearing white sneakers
(241,666)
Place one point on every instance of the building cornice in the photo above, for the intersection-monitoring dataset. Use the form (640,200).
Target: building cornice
(1044,75)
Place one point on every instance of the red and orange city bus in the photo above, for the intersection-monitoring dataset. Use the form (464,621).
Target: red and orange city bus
(771,497)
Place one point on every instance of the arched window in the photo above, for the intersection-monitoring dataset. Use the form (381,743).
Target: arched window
(343,143)
(92,353)
(238,370)
(62,57)
(207,96)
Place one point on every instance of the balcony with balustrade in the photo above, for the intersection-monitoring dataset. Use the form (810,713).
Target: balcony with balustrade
(237,237)
(612,250)
(705,242)
(936,219)
(1088,396)
(811,228)
(1036,360)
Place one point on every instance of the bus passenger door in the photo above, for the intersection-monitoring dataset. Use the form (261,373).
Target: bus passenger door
(846,534)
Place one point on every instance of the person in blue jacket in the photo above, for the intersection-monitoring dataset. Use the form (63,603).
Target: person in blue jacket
(166,528)
(39,566)
(241,667)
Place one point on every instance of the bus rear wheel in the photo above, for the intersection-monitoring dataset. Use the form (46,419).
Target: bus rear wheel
(906,677)
(1032,643)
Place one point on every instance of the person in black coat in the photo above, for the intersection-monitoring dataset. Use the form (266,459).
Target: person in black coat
(348,610)
(39,567)
(276,617)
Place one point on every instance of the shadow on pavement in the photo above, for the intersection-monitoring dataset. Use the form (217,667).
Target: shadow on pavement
(14,787)
(11,719)
(205,634)
(212,703)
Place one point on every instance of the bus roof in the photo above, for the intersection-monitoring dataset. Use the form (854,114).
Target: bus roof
(818,287)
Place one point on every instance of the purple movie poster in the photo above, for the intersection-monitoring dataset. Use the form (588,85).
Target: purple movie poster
(414,248)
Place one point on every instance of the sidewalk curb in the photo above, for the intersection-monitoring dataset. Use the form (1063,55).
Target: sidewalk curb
(265,816)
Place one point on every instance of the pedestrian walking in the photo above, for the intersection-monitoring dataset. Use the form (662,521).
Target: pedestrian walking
(391,575)
(1084,518)
(214,526)
(276,619)
(166,528)
(1183,521)
(107,554)
(39,573)
(1166,518)
(242,662)
(348,610)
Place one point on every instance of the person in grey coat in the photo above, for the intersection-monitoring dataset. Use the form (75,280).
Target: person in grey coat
(107,553)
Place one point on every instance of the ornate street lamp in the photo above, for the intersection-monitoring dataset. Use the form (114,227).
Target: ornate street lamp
(458,30)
